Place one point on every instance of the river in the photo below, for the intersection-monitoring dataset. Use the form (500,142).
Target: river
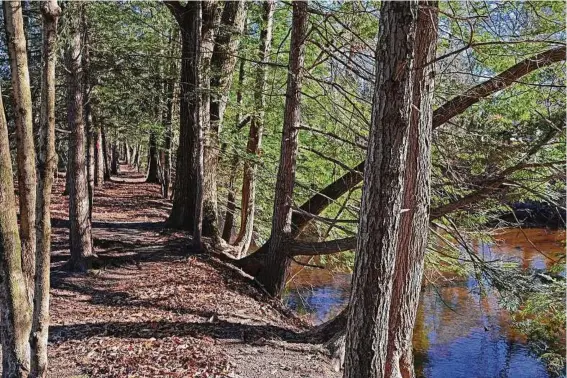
(458,333)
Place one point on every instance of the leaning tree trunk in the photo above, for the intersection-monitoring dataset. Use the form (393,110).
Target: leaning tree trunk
(415,221)
(244,237)
(15,308)
(46,167)
(17,51)
(367,326)
(80,223)
(273,275)
(153,161)
(222,64)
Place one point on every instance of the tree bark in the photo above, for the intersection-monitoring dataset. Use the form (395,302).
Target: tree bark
(80,223)
(99,156)
(222,63)
(248,201)
(46,167)
(167,139)
(273,275)
(414,224)
(183,209)
(17,51)
(153,161)
(114,165)
(105,153)
(15,308)
(367,325)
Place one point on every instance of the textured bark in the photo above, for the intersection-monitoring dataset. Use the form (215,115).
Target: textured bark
(80,223)
(273,275)
(367,326)
(222,62)
(183,209)
(15,309)
(17,51)
(47,156)
(186,187)
(244,237)
(414,224)
(105,153)
(99,156)
(114,163)
(167,139)
(153,161)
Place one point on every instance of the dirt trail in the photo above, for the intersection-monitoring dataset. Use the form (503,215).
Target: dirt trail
(152,311)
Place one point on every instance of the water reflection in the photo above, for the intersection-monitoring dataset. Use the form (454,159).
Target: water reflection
(458,333)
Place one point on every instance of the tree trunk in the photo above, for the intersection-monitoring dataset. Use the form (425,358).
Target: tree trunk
(46,167)
(105,153)
(128,155)
(231,196)
(367,326)
(15,308)
(183,209)
(80,223)
(222,63)
(415,221)
(255,134)
(167,139)
(17,51)
(115,157)
(99,156)
(153,161)
(274,273)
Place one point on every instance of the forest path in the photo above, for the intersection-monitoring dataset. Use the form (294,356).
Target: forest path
(152,311)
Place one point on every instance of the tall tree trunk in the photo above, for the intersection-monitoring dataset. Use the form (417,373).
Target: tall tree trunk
(80,224)
(273,275)
(17,51)
(89,128)
(99,156)
(367,326)
(183,209)
(153,161)
(197,111)
(256,129)
(114,165)
(415,221)
(222,62)
(128,155)
(231,196)
(105,153)
(15,308)
(167,138)
(46,167)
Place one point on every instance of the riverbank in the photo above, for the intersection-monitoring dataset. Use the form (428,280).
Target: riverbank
(152,311)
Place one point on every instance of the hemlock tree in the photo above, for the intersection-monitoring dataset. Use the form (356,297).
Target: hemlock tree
(244,237)
(46,167)
(382,195)
(273,275)
(15,308)
(80,235)
(18,56)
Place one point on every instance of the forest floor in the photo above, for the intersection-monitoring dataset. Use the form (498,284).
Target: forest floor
(151,310)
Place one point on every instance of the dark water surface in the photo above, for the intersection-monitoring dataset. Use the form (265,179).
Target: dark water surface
(458,333)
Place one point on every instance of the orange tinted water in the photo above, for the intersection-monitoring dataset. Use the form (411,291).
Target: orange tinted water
(458,332)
